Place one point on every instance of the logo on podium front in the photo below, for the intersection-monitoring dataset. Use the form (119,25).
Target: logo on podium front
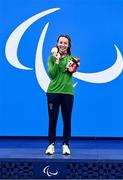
(49,172)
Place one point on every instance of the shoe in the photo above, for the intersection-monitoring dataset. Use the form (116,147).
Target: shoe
(50,150)
(65,149)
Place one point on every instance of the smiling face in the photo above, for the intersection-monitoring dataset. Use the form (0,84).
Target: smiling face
(63,45)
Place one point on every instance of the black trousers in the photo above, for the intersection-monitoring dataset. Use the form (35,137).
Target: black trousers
(55,102)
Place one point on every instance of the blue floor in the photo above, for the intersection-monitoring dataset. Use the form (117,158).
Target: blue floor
(80,149)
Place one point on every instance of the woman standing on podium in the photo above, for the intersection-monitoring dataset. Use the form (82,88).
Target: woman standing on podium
(60,93)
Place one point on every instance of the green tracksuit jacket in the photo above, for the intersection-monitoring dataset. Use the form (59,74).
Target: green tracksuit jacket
(61,79)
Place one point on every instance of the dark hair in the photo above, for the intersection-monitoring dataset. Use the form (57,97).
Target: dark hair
(69,41)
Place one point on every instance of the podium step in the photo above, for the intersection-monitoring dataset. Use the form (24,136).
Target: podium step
(88,160)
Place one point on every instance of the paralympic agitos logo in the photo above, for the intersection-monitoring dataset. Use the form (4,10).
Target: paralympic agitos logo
(11,54)
(48,172)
